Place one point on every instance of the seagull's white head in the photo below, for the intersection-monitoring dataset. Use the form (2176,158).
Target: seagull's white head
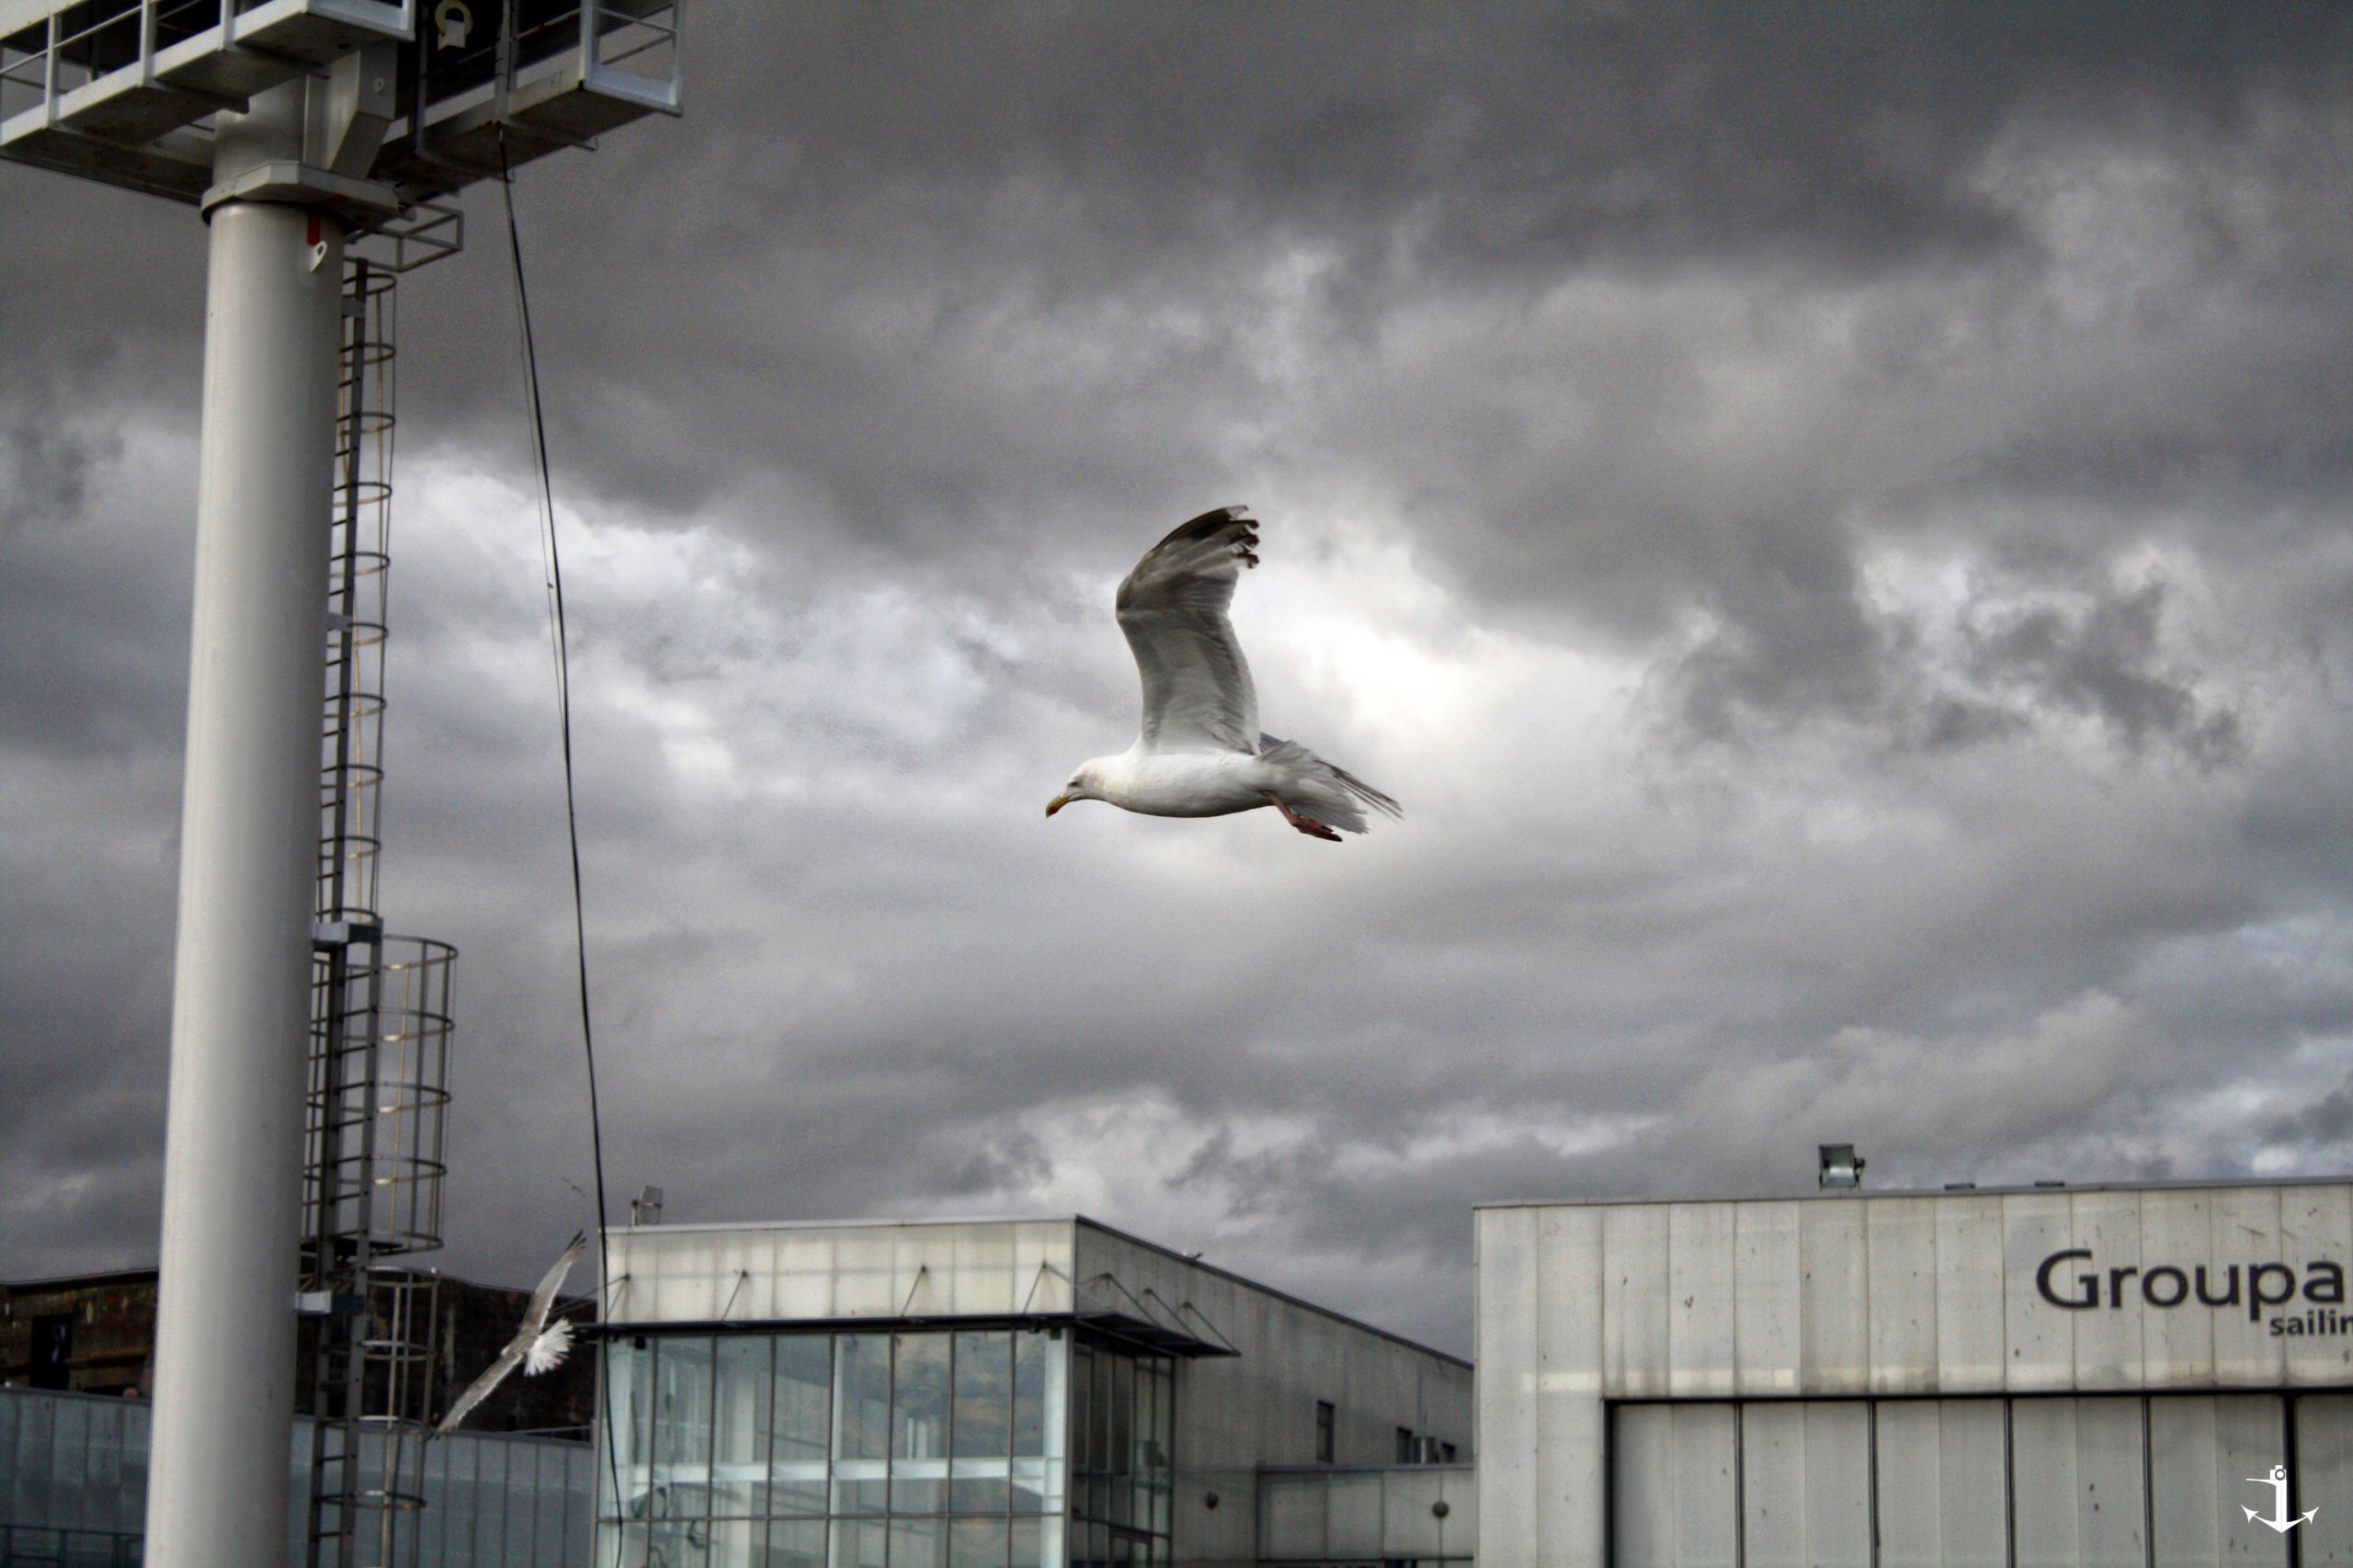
(1087,784)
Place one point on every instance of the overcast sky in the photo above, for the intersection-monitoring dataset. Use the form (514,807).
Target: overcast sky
(1833,521)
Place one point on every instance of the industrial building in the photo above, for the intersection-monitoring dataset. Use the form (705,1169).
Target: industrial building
(2149,1375)
(74,1489)
(77,1355)
(1006,1394)
(95,1334)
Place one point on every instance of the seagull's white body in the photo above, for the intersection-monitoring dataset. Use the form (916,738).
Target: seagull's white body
(1200,752)
(1187,783)
(537,1347)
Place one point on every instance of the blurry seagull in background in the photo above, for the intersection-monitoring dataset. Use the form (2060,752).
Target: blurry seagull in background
(1200,752)
(537,1347)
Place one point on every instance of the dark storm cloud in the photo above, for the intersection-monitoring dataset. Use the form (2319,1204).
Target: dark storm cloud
(938,189)
(94,609)
(1833,521)
(2100,661)
(47,472)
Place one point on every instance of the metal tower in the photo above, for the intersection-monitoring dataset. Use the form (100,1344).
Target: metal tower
(380,1031)
(293,125)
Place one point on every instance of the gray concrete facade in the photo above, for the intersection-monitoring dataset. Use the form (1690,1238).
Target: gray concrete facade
(1675,1382)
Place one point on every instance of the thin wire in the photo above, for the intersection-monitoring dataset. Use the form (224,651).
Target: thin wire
(563,714)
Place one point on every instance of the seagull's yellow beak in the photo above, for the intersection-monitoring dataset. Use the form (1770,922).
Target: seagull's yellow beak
(1057,804)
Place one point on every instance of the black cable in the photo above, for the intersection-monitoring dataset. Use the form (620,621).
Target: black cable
(563,716)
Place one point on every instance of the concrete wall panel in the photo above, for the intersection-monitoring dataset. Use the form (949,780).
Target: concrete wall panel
(2108,1337)
(1766,1293)
(1571,1445)
(1972,1338)
(1901,1268)
(1701,1256)
(1902,1294)
(2177,1232)
(1834,1298)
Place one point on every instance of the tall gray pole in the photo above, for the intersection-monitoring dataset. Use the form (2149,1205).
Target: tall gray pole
(233,1152)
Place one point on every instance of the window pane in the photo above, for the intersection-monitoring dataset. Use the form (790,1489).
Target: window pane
(983,1431)
(1097,1502)
(1160,1454)
(1119,1438)
(918,1543)
(861,1425)
(1026,1543)
(620,1546)
(976,1543)
(1038,1407)
(1082,1383)
(859,1543)
(862,1397)
(738,1543)
(682,1428)
(677,1546)
(979,1486)
(919,1424)
(984,1393)
(1139,1446)
(629,1396)
(798,1423)
(798,1544)
(739,1459)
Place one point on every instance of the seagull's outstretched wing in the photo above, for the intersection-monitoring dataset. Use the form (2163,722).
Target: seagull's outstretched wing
(535,1316)
(1196,691)
(479,1390)
(535,1347)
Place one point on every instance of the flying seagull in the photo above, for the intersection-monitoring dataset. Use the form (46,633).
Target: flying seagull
(537,1347)
(1200,752)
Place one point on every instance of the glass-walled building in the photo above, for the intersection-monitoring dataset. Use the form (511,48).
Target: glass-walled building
(74,1491)
(974,1448)
(1001,1394)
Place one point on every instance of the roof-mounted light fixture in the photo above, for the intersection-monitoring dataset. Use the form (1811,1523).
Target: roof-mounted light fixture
(1841,1166)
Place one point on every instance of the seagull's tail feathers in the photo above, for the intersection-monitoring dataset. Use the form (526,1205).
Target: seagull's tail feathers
(1317,789)
(548,1351)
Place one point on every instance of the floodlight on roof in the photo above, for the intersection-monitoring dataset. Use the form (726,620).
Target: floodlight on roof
(1841,1166)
